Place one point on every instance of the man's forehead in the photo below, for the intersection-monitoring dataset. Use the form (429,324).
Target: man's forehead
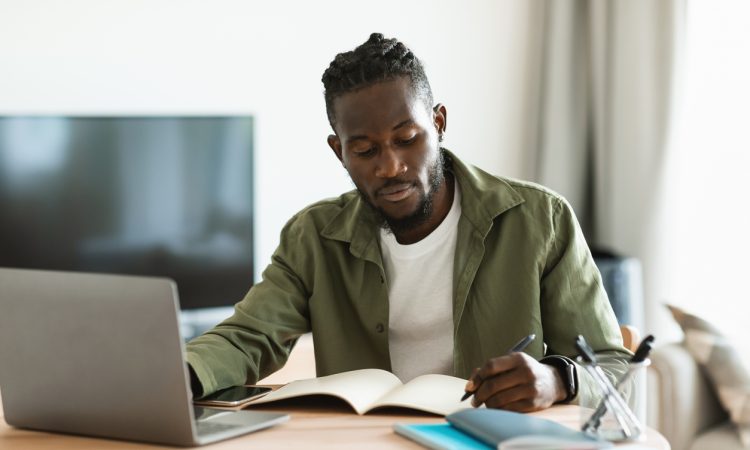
(382,105)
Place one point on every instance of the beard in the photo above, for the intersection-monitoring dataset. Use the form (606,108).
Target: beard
(395,225)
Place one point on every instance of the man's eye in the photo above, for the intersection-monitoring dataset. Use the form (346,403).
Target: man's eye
(407,141)
(365,152)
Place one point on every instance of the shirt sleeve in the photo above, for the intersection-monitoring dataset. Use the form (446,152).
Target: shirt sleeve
(574,302)
(257,339)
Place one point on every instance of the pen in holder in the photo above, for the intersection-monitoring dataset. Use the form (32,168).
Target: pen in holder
(613,419)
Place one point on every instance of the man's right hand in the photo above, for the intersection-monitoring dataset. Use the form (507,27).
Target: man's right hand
(516,382)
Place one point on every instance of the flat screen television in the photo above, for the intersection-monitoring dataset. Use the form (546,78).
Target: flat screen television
(162,196)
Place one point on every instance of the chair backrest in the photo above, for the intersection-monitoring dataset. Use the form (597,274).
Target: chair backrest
(631,337)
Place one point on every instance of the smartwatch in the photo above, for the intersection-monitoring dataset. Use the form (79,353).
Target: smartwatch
(568,373)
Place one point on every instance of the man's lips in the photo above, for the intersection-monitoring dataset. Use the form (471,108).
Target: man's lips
(397,192)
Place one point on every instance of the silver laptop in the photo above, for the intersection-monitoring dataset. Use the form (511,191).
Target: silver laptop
(101,355)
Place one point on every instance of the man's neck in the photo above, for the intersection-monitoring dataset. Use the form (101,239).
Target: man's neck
(442,202)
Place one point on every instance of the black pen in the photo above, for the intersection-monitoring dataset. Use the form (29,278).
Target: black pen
(520,345)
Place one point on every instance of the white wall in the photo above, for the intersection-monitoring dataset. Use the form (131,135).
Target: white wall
(266,59)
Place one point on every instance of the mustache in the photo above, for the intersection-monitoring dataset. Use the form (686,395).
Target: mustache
(395,182)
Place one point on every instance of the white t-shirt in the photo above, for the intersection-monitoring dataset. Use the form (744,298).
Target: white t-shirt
(420,298)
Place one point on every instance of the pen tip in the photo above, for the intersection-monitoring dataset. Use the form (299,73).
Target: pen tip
(466,395)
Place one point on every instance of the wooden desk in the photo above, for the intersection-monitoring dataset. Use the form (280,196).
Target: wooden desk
(314,423)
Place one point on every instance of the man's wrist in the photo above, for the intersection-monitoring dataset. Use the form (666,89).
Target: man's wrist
(559,392)
(566,374)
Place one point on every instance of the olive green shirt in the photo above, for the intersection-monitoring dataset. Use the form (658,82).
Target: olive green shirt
(521,266)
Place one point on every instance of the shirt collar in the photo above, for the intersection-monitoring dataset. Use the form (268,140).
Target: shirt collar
(484,196)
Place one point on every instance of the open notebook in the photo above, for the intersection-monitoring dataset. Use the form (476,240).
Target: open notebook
(367,389)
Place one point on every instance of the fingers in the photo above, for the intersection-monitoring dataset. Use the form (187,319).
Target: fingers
(519,398)
(499,383)
(499,374)
(501,364)
(491,368)
(515,382)
(474,381)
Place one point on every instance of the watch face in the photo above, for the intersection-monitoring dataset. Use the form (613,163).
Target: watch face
(572,381)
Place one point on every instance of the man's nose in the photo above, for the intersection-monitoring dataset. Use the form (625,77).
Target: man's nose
(389,164)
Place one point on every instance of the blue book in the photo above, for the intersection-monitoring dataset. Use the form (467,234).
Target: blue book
(496,429)
(494,426)
(439,436)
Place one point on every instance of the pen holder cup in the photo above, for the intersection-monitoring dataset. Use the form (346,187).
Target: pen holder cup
(612,418)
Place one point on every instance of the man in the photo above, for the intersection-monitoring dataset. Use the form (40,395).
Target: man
(429,266)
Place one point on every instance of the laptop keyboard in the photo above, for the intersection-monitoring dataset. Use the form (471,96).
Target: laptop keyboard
(210,427)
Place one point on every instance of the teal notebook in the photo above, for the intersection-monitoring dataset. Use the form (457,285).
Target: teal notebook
(511,430)
(439,436)
(491,428)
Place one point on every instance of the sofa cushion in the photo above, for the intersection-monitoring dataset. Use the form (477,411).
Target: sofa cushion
(723,437)
(723,366)
(681,401)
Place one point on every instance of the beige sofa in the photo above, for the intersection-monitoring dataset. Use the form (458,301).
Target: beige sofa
(682,405)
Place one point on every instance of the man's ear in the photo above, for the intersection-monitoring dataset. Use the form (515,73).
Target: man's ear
(440,118)
(335,143)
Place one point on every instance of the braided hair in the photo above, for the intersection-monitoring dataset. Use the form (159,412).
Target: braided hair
(379,59)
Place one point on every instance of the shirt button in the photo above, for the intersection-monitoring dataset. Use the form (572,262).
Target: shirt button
(379,328)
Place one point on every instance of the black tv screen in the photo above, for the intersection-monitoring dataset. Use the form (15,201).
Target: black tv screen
(163,196)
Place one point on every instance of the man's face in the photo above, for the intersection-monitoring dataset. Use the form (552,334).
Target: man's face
(388,141)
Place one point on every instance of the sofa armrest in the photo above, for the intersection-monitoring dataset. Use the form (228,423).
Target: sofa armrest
(681,402)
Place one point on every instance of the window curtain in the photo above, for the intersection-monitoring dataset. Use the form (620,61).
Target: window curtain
(601,90)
